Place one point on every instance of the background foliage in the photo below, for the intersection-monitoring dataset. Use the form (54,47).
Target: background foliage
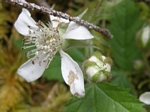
(130,69)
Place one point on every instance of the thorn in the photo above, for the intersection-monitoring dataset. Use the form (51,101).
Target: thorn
(37,57)
(29,32)
(29,26)
(44,61)
(25,38)
(23,43)
(46,67)
(26,54)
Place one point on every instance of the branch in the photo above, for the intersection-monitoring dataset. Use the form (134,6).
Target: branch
(51,11)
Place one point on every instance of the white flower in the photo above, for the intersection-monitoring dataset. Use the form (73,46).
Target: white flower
(46,41)
(145,98)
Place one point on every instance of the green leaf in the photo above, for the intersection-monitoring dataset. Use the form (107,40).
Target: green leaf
(124,25)
(98,10)
(18,43)
(73,44)
(77,55)
(105,98)
(120,79)
(53,72)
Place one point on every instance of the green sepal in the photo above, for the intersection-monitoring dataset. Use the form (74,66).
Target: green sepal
(88,63)
(96,77)
(98,55)
(82,14)
(108,60)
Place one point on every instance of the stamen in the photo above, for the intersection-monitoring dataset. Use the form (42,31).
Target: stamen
(33,28)
(25,38)
(44,61)
(30,42)
(47,41)
(26,47)
(36,53)
(28,54)
(37,57)
(40,63)
(32,61)
(38,23)
(48,63)
(30,32)
(34,50)
(29,39)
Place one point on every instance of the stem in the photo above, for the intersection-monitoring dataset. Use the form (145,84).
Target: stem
(52,91)
(51,11)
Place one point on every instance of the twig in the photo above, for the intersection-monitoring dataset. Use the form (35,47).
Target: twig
(51,11)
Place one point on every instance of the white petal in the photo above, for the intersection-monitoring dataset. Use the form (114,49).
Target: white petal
(106,66)
(24,20)
(90,71)
(56,20)
(77,32)
(145,98)
(96,60)
(30,71)
(72,74)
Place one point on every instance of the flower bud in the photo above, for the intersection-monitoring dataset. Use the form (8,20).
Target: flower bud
(138,65)
(97,68)
(144,37)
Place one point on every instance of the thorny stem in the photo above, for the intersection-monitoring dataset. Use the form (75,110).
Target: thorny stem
(51,11)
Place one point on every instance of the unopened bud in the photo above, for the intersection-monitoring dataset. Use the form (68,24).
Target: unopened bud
(138,64)
(97,67)
(144,37)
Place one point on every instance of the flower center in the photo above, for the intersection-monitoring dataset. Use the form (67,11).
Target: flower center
(45,40)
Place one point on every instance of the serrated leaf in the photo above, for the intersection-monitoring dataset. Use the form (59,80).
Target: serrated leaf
(120,79)
(105,98)
(124,25)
